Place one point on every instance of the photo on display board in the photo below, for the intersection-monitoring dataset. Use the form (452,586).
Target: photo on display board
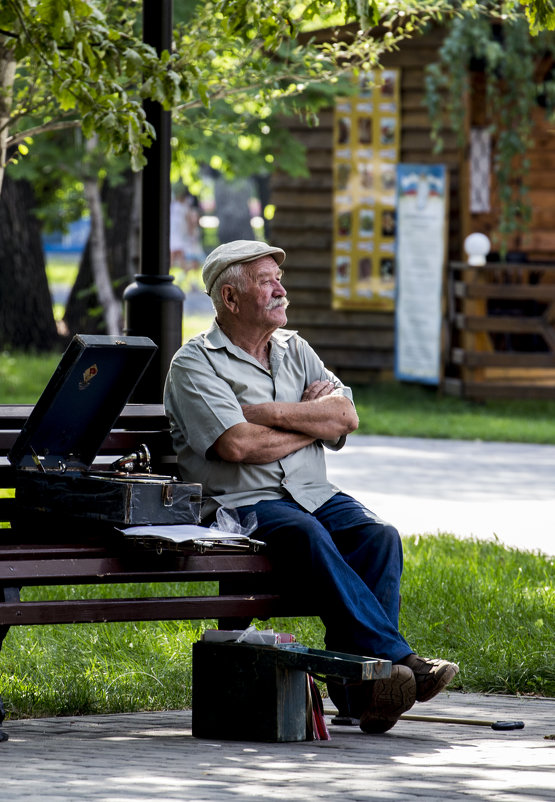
(343,130)
(344,224)
(343,270)
(365,130)
(388,222)
(366,223)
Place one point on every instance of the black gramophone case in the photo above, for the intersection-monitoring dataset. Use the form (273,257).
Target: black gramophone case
(56,448)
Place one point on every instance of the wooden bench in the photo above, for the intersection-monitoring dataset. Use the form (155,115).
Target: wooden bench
(47,551)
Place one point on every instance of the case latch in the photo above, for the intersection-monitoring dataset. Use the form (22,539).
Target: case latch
(167,495)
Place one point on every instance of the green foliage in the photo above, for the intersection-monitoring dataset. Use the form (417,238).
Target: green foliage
(540,14)
(509,57)
(83,62)
(79,62)
(235,70)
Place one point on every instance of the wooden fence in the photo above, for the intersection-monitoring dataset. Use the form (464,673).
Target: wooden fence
(501,331)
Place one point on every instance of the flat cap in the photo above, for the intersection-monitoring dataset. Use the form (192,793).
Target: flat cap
(230,253)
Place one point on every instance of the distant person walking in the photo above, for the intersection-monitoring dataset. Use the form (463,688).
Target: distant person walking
(185,236)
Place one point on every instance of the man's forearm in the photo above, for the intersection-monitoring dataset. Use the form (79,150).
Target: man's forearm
(327,418)
(253,443)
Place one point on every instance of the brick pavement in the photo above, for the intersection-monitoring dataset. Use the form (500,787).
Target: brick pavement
(153,756)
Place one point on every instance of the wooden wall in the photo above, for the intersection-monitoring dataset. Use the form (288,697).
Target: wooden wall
(357,345)
(538,240)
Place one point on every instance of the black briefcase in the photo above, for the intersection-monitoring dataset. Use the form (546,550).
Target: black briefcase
(55,451)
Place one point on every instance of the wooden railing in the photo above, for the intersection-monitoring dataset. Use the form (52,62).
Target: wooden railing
(501,330)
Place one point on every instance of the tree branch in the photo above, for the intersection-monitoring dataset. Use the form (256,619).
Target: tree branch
(59,125)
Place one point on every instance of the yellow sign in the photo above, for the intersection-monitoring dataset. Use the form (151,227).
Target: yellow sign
(365,157)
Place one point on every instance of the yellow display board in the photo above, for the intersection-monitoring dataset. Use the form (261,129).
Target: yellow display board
(365,156)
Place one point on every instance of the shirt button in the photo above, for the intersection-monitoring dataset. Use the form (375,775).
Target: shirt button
(284,482)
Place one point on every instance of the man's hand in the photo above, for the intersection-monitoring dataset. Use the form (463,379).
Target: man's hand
(317,389)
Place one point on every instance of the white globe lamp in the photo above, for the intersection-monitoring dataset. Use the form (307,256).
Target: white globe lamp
(477,247)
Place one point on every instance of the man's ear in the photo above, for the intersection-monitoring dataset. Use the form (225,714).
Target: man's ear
(229,297)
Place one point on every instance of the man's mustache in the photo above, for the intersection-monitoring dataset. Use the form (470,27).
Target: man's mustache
(275,302)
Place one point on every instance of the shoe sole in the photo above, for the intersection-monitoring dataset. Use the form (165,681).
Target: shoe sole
(389,699)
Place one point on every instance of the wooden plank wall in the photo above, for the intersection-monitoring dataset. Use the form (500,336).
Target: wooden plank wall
(357,345)
(537,242)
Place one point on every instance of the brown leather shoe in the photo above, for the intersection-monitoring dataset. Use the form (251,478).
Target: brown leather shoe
(388,699)
(431,675)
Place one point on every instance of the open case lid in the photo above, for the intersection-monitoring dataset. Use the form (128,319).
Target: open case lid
(82,401)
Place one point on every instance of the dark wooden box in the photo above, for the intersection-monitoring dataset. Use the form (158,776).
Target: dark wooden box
(245,693)
(248,692)
(57,446)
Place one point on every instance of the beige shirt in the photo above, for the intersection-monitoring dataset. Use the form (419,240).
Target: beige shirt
(209,380)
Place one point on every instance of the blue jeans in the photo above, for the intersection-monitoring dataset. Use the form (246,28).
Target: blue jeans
(348,560)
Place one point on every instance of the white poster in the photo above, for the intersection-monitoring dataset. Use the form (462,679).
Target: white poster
(421,250)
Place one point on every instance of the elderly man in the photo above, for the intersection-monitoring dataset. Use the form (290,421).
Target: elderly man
(251,408)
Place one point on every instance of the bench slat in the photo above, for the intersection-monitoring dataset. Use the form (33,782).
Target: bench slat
(159,609)
(49,551)
(134,416)
(106,569)
(118,441)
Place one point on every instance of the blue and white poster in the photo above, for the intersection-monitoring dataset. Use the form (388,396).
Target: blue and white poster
(420,256)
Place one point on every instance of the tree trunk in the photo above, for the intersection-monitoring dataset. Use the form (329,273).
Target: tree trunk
(7,76)
(99,260)
(26,315)
(122,232)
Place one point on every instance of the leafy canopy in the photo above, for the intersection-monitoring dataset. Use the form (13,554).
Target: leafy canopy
(83,62)
(233,66)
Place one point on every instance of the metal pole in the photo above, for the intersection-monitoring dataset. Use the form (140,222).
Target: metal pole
(152,304)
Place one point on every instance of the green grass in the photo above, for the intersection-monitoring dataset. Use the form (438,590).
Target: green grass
(490,608)
(411,410)
(23,377)
(194,324)
(61,269)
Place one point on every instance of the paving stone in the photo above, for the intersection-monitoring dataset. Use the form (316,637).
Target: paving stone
(153,756)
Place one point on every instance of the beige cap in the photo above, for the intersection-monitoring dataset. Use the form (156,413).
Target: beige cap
(230,253)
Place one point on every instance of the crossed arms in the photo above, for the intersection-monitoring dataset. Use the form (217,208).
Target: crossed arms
(275,429)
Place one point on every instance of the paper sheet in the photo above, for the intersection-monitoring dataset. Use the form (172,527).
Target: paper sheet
(182,533)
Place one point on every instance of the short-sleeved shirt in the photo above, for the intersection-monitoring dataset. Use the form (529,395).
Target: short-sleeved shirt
(209,380)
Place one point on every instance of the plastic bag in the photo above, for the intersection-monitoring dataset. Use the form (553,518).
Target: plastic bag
(252,635)
(228,521)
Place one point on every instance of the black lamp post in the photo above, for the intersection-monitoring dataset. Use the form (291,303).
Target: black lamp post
(152,304)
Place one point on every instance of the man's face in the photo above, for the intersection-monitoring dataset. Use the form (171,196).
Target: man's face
(263,303)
